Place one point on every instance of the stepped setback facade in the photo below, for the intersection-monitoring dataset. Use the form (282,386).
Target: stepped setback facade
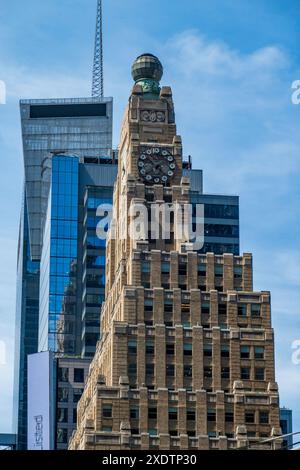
(186,355)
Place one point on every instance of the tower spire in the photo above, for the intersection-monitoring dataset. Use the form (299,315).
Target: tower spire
(98,82)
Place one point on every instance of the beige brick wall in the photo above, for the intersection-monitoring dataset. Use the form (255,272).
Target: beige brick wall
(199,407)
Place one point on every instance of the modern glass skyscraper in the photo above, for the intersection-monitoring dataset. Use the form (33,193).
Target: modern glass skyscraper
(81,127)
(93,268)
(286,424)
(58,296)
(27,318)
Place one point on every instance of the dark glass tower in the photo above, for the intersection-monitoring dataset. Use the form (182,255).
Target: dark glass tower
(81,127)
(27,317)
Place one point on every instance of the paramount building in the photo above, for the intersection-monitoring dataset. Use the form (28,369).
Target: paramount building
(186,355)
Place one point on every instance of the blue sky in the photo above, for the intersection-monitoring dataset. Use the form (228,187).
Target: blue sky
(231,64)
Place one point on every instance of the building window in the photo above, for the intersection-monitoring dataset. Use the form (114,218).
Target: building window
(250,417)
(62,415)
(185,308)
(62,436)
(205,308)
(132,348)
(259,373)
(150,369)
(170,349)
(202,269)
(242,310)
(245,352)
(222,309)
(168,306)
(221,211)
(225,350)
(63,374)
(107,411)
(255,310)
(211,415)
(245,373)
(152,413)
(63,395)
(170,370)
(188,371)
(238,272)
(91,339)
(207,350)
(190,415)
(264,417)
(134,412)
(219,270)
(150,348)
(165,267)
(182,269)
(135,431)
(208,372)
(77,393)
(229,417)
(187,349)
(106,429)
(74,415)
(173,413)
(225,373)
(152,432)
(145,267)
(148,305)
(259,352)
(79,376)
(132,369)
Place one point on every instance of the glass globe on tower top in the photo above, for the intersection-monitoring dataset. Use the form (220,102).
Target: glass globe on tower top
(147,71)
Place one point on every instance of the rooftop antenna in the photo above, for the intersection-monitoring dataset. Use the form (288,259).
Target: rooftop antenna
(98,82)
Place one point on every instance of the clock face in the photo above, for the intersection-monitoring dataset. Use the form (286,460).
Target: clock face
(156,165)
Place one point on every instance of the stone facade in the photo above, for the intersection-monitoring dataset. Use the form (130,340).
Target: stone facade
(186,357)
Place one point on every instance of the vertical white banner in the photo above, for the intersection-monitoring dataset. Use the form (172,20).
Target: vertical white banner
(40,371)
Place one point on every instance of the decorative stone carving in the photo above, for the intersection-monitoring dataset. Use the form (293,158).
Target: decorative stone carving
(153,116)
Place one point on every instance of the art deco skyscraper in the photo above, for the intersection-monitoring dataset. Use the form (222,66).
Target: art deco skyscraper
(186,357)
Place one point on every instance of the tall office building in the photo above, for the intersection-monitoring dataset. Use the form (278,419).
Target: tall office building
(72,261)
(70,170)
(81,128)
(186,356)
(286,424)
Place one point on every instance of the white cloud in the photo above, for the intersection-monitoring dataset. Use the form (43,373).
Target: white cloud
(23,83)
(234,113)
(196,55)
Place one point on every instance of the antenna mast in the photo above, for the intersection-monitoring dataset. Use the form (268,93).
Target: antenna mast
(98,82)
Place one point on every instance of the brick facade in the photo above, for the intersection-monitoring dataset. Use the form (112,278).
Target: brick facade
(186,357)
